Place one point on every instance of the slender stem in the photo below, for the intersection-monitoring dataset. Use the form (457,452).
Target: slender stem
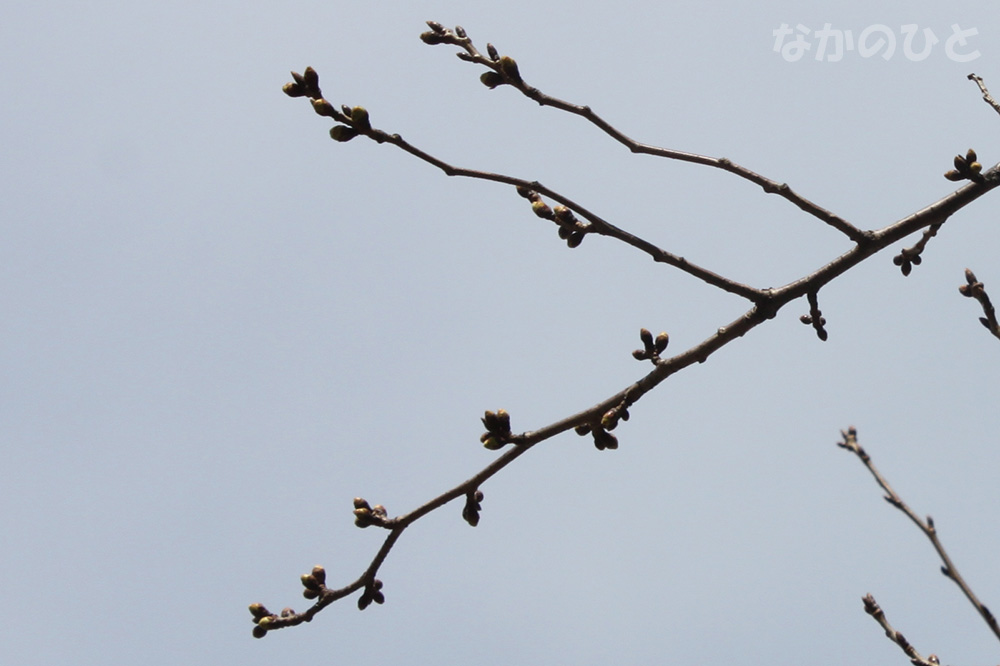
(850,442)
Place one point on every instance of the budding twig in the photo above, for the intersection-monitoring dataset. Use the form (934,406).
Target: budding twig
(986,93)
(850,442)
(603,417)
(973,288)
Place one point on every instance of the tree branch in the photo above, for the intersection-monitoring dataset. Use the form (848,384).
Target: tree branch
(873,609)
(600,419)
(850,442)
(506,72)
(986,93)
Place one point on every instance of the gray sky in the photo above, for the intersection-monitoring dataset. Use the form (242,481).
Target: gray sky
(220,326)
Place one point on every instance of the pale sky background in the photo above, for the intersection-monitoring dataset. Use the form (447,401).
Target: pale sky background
(220,326)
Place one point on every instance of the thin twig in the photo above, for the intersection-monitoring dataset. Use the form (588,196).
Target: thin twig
(986,93)
(769,186)
(873,609)
(973,288)
(850,442)
(598,224)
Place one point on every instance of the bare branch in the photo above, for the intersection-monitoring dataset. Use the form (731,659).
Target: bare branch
(986,93)
(850,442)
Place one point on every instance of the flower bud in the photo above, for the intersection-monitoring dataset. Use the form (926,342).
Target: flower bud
(311,78)
(493,443)
(342,133)
(359,116)
(293,90)
(542,210)
(491,79)
(509,67)
(324,108)
(646,337)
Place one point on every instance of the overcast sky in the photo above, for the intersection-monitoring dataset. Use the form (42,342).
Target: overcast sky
(220,326)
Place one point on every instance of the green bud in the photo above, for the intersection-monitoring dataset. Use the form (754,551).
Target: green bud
(493,443)
(509,67)
(324,108)
(293,90)
(541,209)
(359,116)
(342,133)
(491,79)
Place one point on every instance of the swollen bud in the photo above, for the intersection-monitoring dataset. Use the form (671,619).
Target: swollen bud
(311,78)
(324,108)
(646,337)
(509,67)
(491,79)
(661,342)
(541,209)
(493,443)
(359,117)
(342,133)
(293,90)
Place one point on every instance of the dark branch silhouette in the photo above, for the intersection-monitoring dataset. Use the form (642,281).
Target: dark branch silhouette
(850,442)
(574,222)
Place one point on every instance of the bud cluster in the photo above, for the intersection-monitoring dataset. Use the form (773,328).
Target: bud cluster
(366,515)
(262,619)
(966,168)
(472,507)
(438,34)
(304,85)
(571,229)
(373,592)
(497,429)
(354,120)
(815,316)
(314,582)
(602,438)
(651,348)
